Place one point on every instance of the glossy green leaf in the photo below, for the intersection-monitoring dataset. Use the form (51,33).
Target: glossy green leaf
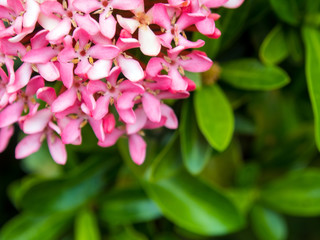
(195,149)
(222,167)
(296,194)
(214,116)
(243,198)
(194,206)
(195,77)
(41,163)
(312,6)
(18,188)
(274,48)
(70,193)
(312,43)
(287,10)
(139,171)
(167,162)
(127,233)
(295,45)
(128,206)
(34,227)
(250,74)
(267,224)
(86,226)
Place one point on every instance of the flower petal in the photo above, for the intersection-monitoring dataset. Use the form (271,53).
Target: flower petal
(28,145)
(59,31)
(127,115)
(5,135)
(65,100)
(100,69)
(103,51)
(150,44)
(137,148)
(34,84)
(39,39)
(197,62)
(172,121)
(31,15)
(126,100)
(233,3)
(86,6)
(102,108)
(23,75)
(71,132)
(141,120)
(38,122)
(126,4)
(131,68)
(39,55)
(49,71)
(97,127)
(87,23)
(151,106)
(128,24)
(111,138)
(109,123)
(57,149)
(107,25)
(66,73)
(47,94)
(11,114)
(178,82)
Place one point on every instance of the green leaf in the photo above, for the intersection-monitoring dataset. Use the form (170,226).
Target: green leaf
(287,10)
(127,233)
(41,163)
(312,6)
(195,77)
(167,162)
(296,194)
(312,42)
(195,149)
(222,167)
(152,151)
(194,206)
(295,45)
(19,187)
(125,206)
(267,224)
(214,116)
(274,47)
(86,226)
(250,74)
(34,227)
(243,198)
(70,193)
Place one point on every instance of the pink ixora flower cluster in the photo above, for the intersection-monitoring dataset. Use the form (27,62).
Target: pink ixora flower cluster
(69,63)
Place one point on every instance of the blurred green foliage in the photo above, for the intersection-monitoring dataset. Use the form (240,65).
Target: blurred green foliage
(243,165)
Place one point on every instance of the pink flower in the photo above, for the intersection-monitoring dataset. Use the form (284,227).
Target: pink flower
(121,94)
(175,64)
(106,82)
(40,126)
(149,43)
(58,18)
(21,18)
(166,18)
